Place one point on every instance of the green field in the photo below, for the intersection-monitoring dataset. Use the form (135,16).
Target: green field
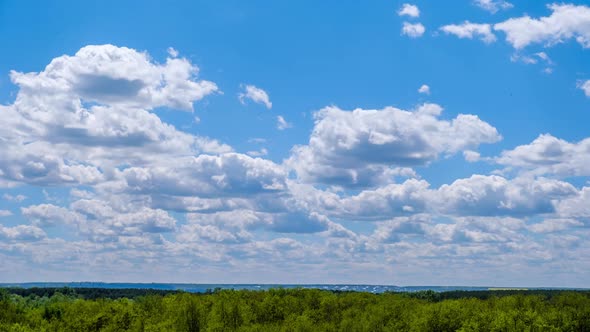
(69,309)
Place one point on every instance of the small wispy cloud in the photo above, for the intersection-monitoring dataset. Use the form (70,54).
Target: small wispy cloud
(493,6)
(424,89)
(282,124)
(255,94)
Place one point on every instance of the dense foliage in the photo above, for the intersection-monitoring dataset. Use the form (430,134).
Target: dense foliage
(88,293)
(297,310)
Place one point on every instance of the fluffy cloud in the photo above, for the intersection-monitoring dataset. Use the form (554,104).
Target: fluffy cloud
(478,195)
(5,213)
(228,174)
(566,21)
(554,225)
(493,6)
(424,89)
(409,10)
(413,30)
(471,30)
(407,198)
(366,147)
(464,231)
(48,215)
(134,192)
(112,75)
(494,195)
(89,113)
(243,222)
(576,206)
(100,221)
(22,233)
(256,95)
(550,155)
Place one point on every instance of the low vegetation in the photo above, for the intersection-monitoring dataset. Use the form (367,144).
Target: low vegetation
(291,310)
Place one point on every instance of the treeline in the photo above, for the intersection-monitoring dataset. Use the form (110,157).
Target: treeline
(88,293)
(296,310)
(486,294)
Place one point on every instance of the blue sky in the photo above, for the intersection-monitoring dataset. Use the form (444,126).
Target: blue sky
(394,142)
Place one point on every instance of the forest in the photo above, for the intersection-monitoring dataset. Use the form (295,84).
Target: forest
(69,309)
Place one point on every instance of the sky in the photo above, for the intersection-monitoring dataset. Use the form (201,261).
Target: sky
(382,142)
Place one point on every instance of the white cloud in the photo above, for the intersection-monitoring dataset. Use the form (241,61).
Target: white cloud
(585,86)
(424,89)
(230,174)
(554,225)
(407,198)
(478,195)
(49,215)
(21,233)
(409,10)
(549,155)
(258,153)
(576,206)
(54,136)
(14,198)
(493,6)
(172,52)
(566,21)
(541,57)
(255,94)
(471,30)
(282,124)
(494,195)
(112,75)
(413,30)
(471,156)
(144,194)
(364,147)
(5,213)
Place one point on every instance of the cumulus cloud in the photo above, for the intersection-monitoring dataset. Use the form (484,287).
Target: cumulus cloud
(567,21)
(494,195)
(471,30)
(100,221)
(22,233)
(549,155)
(366,147)
(112,75)
(577,206)
(424,89)
(478,195)
(409,10)
(77,118)
(554,225)
(407,198)
(255,94)
(138,193)
(493,6)
(230,174)
(282,124)
(413,30)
